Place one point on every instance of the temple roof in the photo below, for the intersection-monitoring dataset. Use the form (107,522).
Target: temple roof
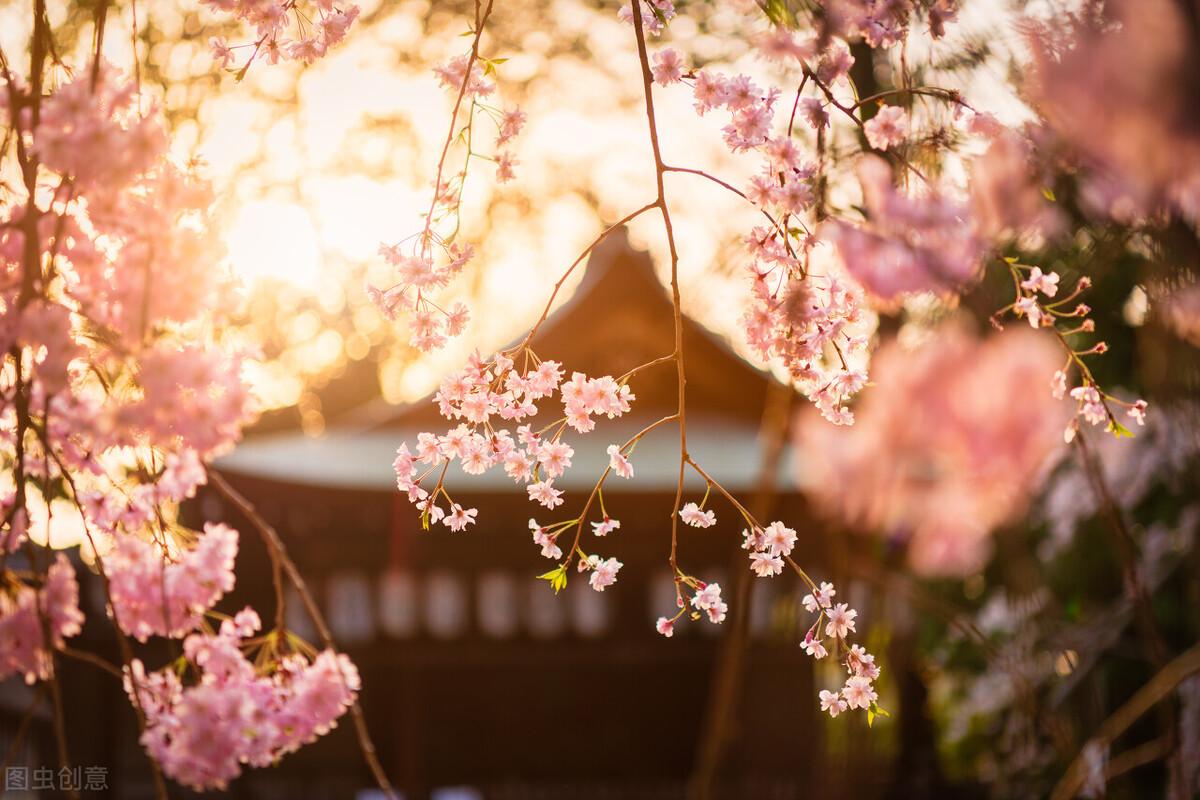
(619,317)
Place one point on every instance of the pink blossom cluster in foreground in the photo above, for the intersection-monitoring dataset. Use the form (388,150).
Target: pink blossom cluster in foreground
(947,450)
(116,393)
(155,597)
(23,646)
(834,624)
(236,713)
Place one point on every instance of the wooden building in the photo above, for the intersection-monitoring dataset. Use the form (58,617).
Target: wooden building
(476,674)
(478,681)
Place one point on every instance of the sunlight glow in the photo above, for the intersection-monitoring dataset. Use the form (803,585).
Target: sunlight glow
(270,239)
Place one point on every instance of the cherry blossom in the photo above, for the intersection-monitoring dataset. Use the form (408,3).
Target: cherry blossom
(841,621)
(24,649)
(693,515)
(273,23)
(888,128)
(1046,283)
(237,713)
(668,67)
(832,702)
(605,526)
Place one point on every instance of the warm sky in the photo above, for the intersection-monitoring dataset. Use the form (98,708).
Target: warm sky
(316,167)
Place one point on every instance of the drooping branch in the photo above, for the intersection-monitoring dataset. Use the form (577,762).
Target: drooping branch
(274,543)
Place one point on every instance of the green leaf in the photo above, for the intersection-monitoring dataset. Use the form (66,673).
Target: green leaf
(1010,259)
(557,578)
(1118,430)
(1048,193)
(873,711)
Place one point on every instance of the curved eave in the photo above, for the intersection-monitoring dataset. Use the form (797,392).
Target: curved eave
(357,459)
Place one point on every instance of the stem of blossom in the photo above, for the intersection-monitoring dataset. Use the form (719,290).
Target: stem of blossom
(1126,552)
(93,659)
(722,705)
(774,223)
(31,261)
(160,785)
(273,541)
(101,18)
(849,112)
(481,17)
(583,515)
(647,365)
(929,91)
(659,171)
(1155,691)
(60,724)
(796,104)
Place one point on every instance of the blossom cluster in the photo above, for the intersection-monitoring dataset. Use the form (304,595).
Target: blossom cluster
(705,602)
(23,609)
(768,548)
(237,713)
(910,244)
(167,595)
(116,392)
(947,448)
(816,326)
(427,261)
(284,30)
(1035,302)
(493,390)
(834,623)
(1140,56)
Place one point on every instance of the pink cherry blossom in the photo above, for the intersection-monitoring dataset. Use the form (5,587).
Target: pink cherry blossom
(821,598)
(667,67)
(765,565)
(459,518)
(618,462)
(605,527)
(1046,283)
(693,515)
(604,572)
(779,539)
(841,621)
(24,649)
(544,492)
(888,128)
(832,702)
(858,692)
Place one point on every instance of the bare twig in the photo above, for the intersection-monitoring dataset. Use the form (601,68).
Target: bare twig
(1145,698)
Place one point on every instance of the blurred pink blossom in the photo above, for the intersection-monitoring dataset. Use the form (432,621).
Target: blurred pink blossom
(951,441)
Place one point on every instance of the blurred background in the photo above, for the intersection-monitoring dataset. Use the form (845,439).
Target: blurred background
(478,682)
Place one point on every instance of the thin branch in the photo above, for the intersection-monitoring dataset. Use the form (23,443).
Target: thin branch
(1145,698)
(579,260)
(93,659)
(677,307)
